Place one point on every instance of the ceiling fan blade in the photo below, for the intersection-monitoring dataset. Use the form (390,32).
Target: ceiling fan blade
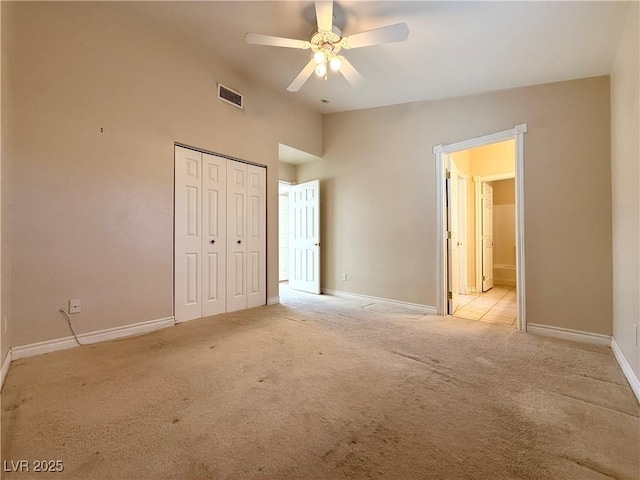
(303,76)
(393,33)
(269,40)
(350,73)
(324,15)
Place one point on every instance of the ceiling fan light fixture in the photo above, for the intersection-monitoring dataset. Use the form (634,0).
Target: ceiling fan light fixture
(335,63)
(321,69)
(319,57)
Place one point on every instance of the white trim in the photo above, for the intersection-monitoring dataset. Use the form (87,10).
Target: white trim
(273,300)
(5,367)
(88,338)
(426,309)
(516,134)
(630,375)
(569,334)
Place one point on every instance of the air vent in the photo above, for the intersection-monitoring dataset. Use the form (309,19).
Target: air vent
(230,96)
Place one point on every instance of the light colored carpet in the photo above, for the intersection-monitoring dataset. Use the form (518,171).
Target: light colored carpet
(325,388)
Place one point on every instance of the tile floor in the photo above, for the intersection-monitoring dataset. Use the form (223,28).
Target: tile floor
(498,305)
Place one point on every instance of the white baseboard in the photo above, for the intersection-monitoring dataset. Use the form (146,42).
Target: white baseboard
(568,334)
(5,367)
(630,375)
(273,301)
(426,309)
(88,338)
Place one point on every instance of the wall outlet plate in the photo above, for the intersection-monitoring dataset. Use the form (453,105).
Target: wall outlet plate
(75,306)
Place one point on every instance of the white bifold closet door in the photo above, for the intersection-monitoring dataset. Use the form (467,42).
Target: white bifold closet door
(246,233)
(211,210)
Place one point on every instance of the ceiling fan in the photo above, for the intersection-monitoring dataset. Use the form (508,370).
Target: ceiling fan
(327,42)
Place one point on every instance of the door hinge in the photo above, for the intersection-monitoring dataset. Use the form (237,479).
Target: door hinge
(448,234)
(448,174)
(450,295)
(483,278)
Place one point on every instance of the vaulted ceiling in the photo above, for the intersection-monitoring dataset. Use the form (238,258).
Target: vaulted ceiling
(454,48)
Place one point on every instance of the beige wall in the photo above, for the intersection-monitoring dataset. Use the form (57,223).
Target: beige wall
(494,159)
(288,172)
(504,228)
(504,192)
(93,212)
(625,161)
(379,206)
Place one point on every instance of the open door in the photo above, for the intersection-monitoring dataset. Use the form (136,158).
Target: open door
(487,237)
(453,242)
(304,237)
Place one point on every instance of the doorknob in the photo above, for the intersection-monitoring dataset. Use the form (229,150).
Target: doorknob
(239,242)
(317,244)
(212,242)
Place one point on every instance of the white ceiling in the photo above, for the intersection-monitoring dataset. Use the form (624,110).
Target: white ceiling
(454,48)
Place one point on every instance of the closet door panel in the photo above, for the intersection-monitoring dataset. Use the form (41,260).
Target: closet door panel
(256,236)
(236,236)
(188,234)
(214,238)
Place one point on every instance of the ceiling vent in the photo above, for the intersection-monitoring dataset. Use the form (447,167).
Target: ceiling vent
(230,96)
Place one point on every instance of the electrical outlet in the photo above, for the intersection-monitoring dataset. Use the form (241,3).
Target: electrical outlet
(75,306)
(344,277)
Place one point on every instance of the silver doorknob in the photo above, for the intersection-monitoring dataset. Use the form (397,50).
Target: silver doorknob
(317,244)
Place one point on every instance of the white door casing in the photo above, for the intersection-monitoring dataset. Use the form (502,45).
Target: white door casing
(214,240)
(256,253)
(283,236)
(188,234)
(453,240)
(487,237)
(440,152)
(304,236)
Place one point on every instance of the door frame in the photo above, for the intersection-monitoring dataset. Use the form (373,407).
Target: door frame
(478,181)
(440,151)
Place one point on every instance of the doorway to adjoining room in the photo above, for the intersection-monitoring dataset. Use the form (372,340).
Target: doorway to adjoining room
(481,227)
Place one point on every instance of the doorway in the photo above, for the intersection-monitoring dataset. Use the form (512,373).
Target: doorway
(468,260)
(299,236)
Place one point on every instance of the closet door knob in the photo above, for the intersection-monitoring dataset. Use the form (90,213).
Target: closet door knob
(212,242)
(239,242)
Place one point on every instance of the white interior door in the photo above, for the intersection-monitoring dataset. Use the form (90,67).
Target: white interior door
(304,237)
(283,236)
(256,252)
(187,234)
(236,236)
(453,240)
(214,217)
(487,237)
(462,235)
